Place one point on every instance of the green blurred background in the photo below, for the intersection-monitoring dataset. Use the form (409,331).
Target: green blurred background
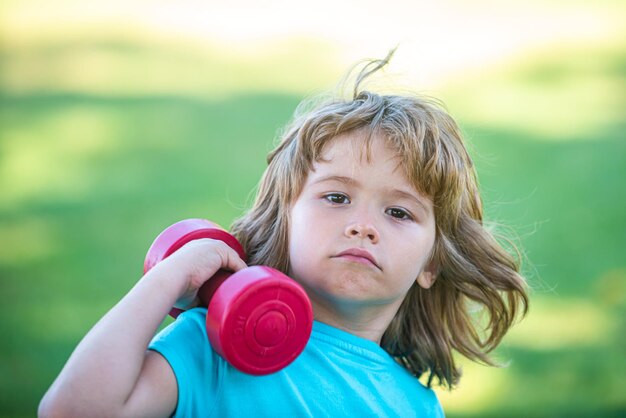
(120,118)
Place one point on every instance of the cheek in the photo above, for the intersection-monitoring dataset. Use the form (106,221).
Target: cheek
(308,224)
(300,259)
(299,239)
(309,238)
(419,255)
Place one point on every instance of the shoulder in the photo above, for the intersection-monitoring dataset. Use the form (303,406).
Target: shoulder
(422,398)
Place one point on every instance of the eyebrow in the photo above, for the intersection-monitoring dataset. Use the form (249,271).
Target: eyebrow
(340,179)
(394,192)
(410,196)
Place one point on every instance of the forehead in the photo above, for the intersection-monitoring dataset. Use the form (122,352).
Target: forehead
(358,146)
(355,149)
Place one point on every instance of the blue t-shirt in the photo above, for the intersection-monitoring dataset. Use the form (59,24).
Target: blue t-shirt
(338,374)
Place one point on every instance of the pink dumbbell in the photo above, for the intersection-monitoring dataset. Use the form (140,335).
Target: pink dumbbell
(259,320)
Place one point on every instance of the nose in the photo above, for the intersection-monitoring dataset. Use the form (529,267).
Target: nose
(363,231)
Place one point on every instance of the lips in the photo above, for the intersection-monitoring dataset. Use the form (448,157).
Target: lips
(359,255)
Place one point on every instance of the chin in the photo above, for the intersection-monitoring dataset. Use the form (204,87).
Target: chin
(350,289)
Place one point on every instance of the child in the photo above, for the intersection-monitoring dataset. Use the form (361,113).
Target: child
(372,205)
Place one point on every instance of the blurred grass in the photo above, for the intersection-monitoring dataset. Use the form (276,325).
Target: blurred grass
(105,142)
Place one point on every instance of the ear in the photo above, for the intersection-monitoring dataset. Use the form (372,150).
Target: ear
(428,276)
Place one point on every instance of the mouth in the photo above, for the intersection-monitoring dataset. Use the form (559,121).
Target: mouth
(359,255)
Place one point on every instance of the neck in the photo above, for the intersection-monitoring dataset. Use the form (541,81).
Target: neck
(369,322)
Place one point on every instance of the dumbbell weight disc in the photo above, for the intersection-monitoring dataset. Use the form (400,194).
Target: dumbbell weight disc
(259,320)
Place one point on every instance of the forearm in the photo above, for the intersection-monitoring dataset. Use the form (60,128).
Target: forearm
(104,368)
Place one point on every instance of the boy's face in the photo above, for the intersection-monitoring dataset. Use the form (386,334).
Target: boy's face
(360,234)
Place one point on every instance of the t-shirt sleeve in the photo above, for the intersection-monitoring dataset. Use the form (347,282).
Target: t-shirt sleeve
(185,346)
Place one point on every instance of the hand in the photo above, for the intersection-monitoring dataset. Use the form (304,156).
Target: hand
(195,263)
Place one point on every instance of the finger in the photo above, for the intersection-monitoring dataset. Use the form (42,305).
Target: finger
(230,258)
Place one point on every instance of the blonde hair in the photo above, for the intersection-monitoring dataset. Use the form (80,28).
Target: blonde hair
(473,268)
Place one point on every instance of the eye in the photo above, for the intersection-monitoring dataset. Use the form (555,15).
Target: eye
(337,198)
(399,213)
